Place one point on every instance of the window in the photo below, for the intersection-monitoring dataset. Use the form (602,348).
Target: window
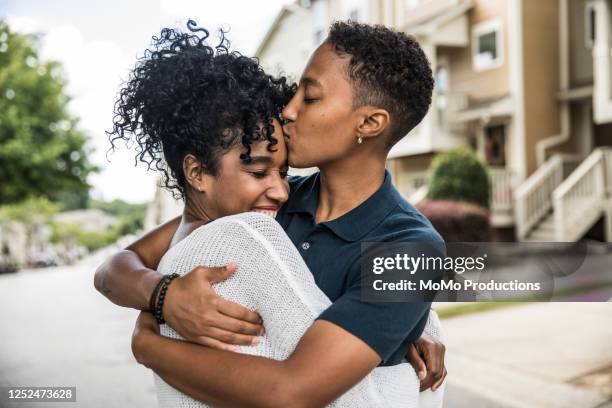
(495,145)
(441,82)
(487,45)
(590,19)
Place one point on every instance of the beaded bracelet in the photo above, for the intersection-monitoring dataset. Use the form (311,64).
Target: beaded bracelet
(158,312)
(154,295)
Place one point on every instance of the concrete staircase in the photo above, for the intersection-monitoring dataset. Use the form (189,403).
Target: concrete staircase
(544,231)
(554,206)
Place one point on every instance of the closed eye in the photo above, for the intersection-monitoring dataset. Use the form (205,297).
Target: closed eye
(259,174)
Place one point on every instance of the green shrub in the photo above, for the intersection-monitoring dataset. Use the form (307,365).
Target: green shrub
(131,216)
(31,210)
(92,240)
(459,175)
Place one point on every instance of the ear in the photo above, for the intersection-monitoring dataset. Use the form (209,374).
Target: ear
(374,122)
(193,171)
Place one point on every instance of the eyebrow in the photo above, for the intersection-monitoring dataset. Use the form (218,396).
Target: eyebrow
(308,81)
(260,160)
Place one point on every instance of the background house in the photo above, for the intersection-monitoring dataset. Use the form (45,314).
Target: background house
(525,84)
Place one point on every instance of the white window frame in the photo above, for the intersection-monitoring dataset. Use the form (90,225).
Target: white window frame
(588,8)
(481,29)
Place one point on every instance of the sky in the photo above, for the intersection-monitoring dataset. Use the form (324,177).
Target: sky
(98,43)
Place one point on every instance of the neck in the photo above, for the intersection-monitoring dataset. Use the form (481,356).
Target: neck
(348,183)
(192,218)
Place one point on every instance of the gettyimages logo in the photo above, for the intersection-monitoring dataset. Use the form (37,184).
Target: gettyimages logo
(467,272)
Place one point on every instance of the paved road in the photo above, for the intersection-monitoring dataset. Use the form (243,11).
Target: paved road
(56,330)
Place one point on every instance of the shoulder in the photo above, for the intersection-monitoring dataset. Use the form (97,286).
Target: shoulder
(240,226)
(301,182)
(407,224)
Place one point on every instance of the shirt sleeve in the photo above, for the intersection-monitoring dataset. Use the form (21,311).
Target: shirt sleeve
(384,326)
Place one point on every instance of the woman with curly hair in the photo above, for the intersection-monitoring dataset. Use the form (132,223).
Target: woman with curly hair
(210,121)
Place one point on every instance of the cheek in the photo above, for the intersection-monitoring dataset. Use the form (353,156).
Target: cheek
(246,191)
(232,194)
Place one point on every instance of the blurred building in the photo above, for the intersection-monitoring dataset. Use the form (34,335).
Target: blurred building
(526,84)
(164,207)
(91,219)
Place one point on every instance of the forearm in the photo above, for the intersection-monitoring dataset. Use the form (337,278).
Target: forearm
(325,364)
(218,378)
(125,281)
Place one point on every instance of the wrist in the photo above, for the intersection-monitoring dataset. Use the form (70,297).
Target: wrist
(150,279)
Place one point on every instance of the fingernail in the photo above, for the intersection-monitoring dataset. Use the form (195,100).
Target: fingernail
(421,375)
(255,341)
(262,331)
(235,349)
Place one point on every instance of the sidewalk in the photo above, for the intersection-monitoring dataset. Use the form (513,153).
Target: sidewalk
(531,355)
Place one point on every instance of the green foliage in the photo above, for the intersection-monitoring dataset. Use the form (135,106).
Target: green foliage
(131,216)
(42,153)
(130,220)
(459,175)
(33,209)
(92,240)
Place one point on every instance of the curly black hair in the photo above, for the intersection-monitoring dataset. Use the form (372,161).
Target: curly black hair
(389,70)
(187,97)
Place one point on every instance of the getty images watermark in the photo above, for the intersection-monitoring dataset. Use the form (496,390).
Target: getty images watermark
(465,272)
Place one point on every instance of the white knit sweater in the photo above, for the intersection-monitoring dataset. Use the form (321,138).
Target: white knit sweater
(273,280)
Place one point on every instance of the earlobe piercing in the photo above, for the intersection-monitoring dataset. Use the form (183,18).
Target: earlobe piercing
(360,140)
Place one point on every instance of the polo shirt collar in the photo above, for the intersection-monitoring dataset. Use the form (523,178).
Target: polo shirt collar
(355,224)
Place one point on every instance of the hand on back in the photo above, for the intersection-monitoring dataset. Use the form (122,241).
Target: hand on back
(195,311)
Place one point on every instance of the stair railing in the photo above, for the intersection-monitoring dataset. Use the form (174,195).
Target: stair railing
(578,201)
(533,198)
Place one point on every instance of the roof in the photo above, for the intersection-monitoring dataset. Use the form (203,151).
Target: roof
(282,13)
(428,23)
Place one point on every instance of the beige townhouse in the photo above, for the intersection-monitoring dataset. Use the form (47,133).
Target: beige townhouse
(526,84)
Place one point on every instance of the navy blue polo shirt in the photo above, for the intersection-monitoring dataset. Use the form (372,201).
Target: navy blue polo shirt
(332,252)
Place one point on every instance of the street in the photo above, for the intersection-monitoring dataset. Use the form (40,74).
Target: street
(57,330)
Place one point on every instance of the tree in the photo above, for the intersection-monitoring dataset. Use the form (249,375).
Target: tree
(42,153)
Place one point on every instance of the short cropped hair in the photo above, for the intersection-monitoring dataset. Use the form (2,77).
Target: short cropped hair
(388,70)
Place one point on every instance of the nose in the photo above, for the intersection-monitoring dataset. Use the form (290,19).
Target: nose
(290,111)
(278,190)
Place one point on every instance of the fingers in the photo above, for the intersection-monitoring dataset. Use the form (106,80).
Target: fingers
(216,344)
(433,354)
(220,273)
(237,311)
(237,326)
(438,383)
(417,362)
(227,337)
(427,382)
